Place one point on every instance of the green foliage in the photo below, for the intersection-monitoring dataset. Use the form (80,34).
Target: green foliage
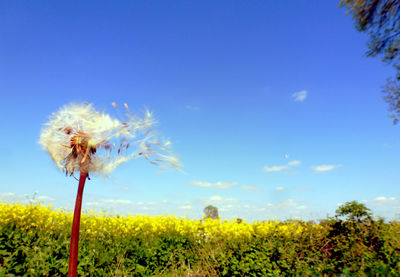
(354,211)
(381,19)
(211,212)
(363,247)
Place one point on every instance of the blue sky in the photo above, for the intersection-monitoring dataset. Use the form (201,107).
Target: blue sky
(272,106)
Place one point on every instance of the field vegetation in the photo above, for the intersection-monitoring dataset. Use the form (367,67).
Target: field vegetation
(34,241)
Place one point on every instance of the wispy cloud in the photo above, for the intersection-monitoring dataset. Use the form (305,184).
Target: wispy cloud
(281,167)
(7,194)
(192,108)
(186,207)
(302,188)
(227,208)
(300,96)
(218,185)
(287,207)
(10,196)
(45,198)
(250,188)
(117,201)
(218,200)
(275,168)
(92,204)
(383,201)
(152,203)
(325,167)
(279,188)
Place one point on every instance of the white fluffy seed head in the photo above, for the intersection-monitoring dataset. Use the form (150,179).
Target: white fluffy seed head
(79,138)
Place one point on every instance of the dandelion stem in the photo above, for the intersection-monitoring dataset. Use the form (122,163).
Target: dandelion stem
(73,254)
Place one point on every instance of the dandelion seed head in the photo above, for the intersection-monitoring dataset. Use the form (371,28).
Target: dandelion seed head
(79,138)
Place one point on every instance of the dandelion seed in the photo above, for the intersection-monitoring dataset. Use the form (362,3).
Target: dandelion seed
(80,139)
(78,134)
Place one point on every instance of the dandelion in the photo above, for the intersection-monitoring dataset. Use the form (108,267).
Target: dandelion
(81,139)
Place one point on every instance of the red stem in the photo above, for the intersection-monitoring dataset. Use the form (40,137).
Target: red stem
(73,253)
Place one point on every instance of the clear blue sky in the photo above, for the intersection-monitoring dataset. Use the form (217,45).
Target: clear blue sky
(221,78)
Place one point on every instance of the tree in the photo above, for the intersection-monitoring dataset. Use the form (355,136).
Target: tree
(354,211)
(211,212)
(381,20)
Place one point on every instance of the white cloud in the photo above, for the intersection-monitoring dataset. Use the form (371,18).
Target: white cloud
(7,194)
(45,198)
(186,207)
(225,208)
(383,201)
(117,201)
(325,167)
(25,197)
(276,168)
(218,185)
(250,188)
(380,198)
(91,203)
(300,96)
(285,208)
(218,200)
(302,188)
(152,203)
(294,163)
(192,108)
(287,203)
(279,188)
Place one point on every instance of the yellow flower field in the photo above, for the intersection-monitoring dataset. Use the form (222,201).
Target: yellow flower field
(45,218)
(35,240)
